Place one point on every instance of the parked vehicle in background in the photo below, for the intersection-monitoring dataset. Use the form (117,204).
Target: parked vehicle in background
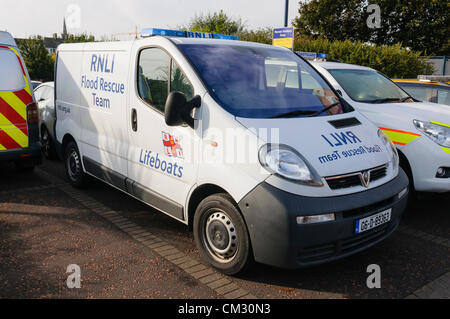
(226,137)
(44,95)
(420,132)
(426,90)
(19,118)
(35,84)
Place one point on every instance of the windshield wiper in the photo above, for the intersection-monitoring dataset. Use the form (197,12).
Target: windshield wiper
(294,113)
(384,100)
(325,109)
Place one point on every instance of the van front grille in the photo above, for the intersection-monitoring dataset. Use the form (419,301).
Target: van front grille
(362,178)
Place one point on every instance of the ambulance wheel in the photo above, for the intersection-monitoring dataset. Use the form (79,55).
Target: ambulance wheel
(221,234)
(48,147)
(74,168)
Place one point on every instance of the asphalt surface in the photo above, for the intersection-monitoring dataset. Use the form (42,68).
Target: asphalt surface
(43,230)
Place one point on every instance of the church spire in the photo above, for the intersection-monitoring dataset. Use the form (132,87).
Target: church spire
(64,34)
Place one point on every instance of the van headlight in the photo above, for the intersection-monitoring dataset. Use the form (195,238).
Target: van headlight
(437,133)
(287,163)
(392,150)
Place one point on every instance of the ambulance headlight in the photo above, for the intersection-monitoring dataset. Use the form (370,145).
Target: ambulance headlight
(392,150)
(439,134)
(287,163)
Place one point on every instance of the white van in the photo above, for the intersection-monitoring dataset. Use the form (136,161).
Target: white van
(246,143)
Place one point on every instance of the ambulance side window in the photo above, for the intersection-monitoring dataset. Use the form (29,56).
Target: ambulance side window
(153,77)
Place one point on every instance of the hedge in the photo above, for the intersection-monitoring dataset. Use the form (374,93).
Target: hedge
(394,60)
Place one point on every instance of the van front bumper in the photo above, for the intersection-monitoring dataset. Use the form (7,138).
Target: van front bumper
(278,240)
(30,155)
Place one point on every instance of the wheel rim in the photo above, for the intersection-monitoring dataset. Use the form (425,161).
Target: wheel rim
(219,237)
(73,164)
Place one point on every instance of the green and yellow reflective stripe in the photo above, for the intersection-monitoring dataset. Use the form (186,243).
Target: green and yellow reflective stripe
(439,123)
(446,150)
(400,137)
(2,148)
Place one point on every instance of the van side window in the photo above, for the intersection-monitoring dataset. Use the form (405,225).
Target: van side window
(179,82)
(153,77)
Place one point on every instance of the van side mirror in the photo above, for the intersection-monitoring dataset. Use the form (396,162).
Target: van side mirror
(178,109)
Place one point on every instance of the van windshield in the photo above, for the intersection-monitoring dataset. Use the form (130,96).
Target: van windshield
(261,82)
(11,76)
(368,86)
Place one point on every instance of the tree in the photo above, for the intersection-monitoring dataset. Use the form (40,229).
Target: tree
(419,25)
(77,38)
(217,22)
(39,62)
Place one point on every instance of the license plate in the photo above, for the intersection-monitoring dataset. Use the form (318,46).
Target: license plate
(365,224)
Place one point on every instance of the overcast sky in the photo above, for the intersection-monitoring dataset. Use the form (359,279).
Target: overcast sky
(23,18)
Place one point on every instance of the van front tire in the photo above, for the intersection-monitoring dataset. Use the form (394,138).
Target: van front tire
(221,234)
(73,165)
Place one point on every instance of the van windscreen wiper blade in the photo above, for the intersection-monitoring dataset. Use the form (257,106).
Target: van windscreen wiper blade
(325,109)
(384,100)
(294,113)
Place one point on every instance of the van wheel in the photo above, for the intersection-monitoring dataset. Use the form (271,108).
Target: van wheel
(221,234)
(74,168)
(48,147)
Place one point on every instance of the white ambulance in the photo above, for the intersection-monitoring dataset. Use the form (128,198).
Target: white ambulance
(420,130)
(246,143)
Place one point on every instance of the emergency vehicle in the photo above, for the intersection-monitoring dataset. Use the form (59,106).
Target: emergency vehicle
(224,136)
(420,130)
(427,88)
(19,129)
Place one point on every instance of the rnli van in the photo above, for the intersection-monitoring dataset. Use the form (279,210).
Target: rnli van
(19,130)
(244,142)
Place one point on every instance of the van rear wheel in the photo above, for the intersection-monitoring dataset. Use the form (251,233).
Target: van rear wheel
(221,234)
(73,165)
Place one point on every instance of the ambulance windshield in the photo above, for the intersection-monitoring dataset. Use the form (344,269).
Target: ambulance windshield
(261,82)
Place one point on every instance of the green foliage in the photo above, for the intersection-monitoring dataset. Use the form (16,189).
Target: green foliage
(37,59)
(77,38)
(394,60)
(217,22)
(260,35)
(419,25)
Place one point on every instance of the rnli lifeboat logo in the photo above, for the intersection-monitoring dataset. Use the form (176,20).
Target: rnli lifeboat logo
(172,145)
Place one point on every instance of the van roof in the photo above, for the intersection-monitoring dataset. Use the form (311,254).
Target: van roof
(340,66)
(7,39)
(124,45)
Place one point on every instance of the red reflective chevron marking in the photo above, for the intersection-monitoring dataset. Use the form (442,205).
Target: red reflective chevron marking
(8,142)
(24,96)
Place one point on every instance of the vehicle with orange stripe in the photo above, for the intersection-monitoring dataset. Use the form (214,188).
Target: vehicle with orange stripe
(431,89)
(19,118)
(420,132)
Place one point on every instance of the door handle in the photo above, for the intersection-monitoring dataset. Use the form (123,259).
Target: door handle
(134,123)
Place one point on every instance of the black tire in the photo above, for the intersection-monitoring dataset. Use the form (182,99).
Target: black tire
(221,234)
(48,147)
(413,196)
(73,165)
